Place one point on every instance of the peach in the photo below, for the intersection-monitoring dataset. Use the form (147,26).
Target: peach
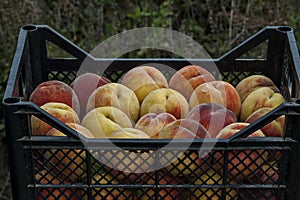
(212,116)
(61,111)
(130,133)
(242,163)
(165,100)
(84,85)
(274,128)
(55,91)
(188,78)
(103,121)
(259,98)
(67,161)
(253,82)
(79,128)
(152,123)
(219,92)
(183,129)
(116,95)
(143,80)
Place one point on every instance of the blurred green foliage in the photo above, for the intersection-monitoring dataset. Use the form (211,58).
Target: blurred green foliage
(216,25)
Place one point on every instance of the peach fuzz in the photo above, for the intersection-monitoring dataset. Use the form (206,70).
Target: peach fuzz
(219,92)
(55,91)
(61,111)
(143,80)
(188,78)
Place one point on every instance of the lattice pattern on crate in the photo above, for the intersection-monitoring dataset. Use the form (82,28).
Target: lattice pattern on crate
(64,76)
(115,76)
(67,164)
(50,181)
(235,77)
(184,177)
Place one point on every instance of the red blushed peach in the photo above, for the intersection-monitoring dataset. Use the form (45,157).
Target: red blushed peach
(143,80)
(274,128)
(61,111)
(214,117)
(242,163)
(153,123)
(251,83)
(259,98)
(55,91)
(84,85)
(219,92)
(183,129)
(165,100)
(188,78)
(116,95)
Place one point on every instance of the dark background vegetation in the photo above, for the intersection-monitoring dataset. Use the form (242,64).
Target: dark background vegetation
(218,25)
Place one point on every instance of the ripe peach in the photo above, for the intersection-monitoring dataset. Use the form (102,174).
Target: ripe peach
(274,128)
(183,129)
(116,95)
(219,92)
(143,80)
(61,111)
(152,123)
(103,121)
(253,82)
(212,116)
(188,78)
(130,133)
(55,91)
(165,100)
(84,85)
(259,98)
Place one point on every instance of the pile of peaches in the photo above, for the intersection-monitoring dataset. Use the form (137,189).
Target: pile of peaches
(144,104)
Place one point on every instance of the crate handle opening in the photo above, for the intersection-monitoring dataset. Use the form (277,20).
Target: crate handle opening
(297,101)
(29,28)
(11,100)
(284,28)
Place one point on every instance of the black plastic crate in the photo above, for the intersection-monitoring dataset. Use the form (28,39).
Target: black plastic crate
(33,159)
